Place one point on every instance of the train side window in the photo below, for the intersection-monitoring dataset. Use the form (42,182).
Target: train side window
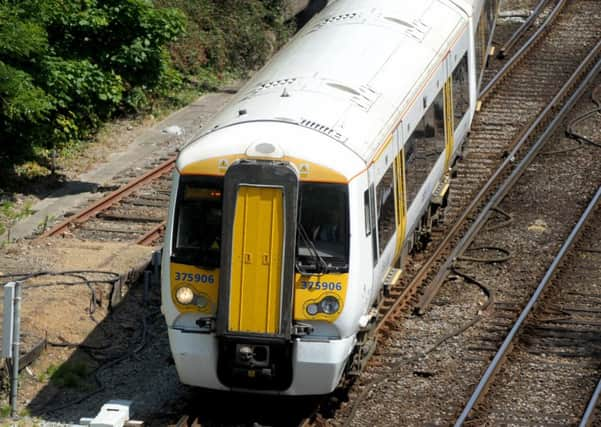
(367,213)
(461,91)
(374,235)
(385,205)
(424,147)
(197,228)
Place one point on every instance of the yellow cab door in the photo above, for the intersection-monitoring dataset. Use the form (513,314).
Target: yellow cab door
(257,254)
(448,122)
(401,201)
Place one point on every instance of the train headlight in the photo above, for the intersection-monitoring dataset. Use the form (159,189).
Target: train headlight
(184,295)
(312,309)
(329,305)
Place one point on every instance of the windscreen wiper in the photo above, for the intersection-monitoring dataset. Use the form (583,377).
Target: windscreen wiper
(321,266)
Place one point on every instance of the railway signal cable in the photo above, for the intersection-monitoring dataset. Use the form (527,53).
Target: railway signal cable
(82,280)
(572,133)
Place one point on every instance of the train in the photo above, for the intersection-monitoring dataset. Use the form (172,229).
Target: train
(294,210)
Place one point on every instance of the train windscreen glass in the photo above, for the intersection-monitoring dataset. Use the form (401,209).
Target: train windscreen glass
(323,231)
(197,228)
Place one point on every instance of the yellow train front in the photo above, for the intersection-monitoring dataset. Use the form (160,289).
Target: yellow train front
(304,194)
(259,266)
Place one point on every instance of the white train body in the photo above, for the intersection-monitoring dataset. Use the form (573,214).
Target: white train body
(309,188)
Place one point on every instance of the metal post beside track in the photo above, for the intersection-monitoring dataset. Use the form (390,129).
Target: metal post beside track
(11,337)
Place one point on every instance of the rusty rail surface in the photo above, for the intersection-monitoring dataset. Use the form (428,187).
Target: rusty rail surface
(111,199)
(152,235)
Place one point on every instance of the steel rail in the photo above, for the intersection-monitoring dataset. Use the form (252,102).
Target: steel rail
(523,28)
(152,235)
(477,225)
(488,376)
(522,51)
(590,409)
(111,199)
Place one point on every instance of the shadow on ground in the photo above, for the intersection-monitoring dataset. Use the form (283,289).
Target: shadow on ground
(127,357)
(212,409)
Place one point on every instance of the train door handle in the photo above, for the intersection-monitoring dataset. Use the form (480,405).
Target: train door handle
(266,259)
(248,258)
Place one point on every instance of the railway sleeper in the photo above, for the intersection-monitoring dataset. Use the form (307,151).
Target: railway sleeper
(127,218)
(561,352)
(553,332)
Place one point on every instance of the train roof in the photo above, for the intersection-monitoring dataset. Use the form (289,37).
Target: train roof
(349,72)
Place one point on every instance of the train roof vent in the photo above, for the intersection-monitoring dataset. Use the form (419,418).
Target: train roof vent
(398,21)
(343,18)
(415,29)
(332,133)
(344,88)
(418,30)
(282,83)
(365,98)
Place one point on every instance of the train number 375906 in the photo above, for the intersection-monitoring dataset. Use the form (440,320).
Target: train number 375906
(321,286)
(198,278)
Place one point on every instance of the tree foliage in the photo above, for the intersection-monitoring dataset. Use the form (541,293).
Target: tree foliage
(67,65)
(227,36)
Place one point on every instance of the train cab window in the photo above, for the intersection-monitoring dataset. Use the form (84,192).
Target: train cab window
(197,228)
(385,205)
(323,231)
(424,147)
(461,91)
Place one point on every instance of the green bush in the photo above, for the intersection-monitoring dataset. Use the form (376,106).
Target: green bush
(68,65)
(227,37)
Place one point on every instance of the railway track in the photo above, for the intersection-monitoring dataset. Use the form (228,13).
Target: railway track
(591,414)
(523,31)
(548,365)
(531,43)
(134,212)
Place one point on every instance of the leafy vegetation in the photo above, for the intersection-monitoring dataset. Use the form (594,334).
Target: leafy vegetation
(10,213)
(227,37)
(67,66)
